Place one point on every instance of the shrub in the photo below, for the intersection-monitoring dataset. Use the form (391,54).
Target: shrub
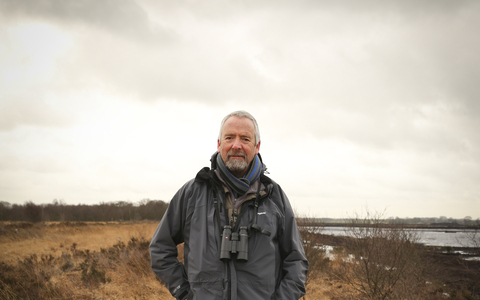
(383,262)
(30,279)
(92,275)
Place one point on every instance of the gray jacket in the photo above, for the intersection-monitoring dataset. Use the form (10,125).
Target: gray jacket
(276,266)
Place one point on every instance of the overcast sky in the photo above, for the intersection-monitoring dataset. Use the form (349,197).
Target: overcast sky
(360,103)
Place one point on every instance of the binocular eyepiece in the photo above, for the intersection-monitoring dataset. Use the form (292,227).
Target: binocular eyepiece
(234,242)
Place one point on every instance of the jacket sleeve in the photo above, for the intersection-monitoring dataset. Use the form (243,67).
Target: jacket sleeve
(294,260)
(163,247)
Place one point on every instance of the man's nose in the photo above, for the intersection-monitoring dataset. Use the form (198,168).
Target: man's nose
(237,144)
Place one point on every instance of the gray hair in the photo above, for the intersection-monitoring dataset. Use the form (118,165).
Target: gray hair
(242,114)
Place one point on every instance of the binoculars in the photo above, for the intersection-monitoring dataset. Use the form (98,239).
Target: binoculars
(234,242)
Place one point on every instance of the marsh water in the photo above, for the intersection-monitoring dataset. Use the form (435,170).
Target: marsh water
(429,237)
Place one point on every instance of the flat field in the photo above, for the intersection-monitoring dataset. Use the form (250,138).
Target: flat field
(78,261)
(20,240)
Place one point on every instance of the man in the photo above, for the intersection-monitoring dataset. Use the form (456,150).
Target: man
(241,239)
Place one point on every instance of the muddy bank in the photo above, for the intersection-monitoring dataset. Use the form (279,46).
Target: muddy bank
(456,267)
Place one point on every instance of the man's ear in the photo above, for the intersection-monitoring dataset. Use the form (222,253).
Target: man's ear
(257,148)
(218,146)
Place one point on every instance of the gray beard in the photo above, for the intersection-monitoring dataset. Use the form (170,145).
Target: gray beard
(236,165)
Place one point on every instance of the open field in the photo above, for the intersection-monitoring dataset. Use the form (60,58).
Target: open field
(78,261)
(54,238)
(111,261)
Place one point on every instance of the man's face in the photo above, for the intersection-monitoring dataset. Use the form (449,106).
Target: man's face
(237,145)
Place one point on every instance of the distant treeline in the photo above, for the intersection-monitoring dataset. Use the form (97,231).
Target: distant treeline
(58,211)
(441,222)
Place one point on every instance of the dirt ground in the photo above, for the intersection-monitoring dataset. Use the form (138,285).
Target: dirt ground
(456,270)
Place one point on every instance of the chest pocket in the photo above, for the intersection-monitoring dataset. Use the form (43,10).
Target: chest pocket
(269,219)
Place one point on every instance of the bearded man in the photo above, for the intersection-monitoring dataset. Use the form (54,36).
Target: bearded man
(241,241)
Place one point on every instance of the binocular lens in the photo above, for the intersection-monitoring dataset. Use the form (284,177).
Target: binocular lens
(234,243)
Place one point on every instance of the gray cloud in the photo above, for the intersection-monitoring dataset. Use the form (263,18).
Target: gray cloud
(16,111)
(374,67)
(386,45)
(125,17)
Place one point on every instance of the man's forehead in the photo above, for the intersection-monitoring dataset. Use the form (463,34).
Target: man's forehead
(234,124)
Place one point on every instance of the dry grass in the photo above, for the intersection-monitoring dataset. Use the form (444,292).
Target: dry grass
(52,238)
(78,261)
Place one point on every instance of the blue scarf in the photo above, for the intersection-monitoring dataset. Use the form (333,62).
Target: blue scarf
(240,185)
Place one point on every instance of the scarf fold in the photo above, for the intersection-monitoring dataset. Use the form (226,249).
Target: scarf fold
(240,185)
